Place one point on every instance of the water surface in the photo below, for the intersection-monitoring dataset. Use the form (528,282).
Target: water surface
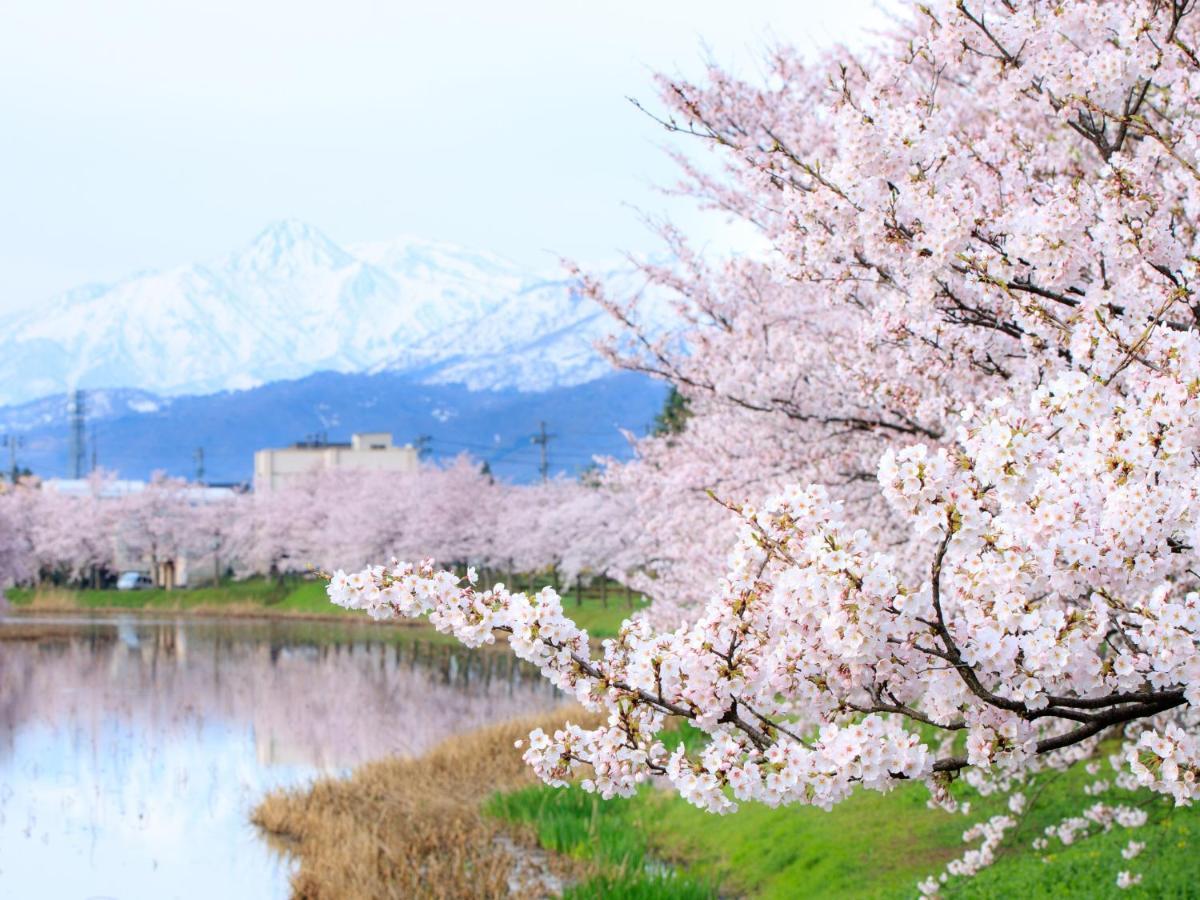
(132,750)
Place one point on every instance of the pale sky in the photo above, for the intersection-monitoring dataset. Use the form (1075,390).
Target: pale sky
(140,134)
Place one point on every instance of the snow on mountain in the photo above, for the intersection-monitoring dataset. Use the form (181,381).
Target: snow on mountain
(53,412)
(293,302)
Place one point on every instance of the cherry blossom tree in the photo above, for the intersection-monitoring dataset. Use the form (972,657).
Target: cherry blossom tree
(571,529)
(597,537)
(155,524)
(220,531)
(282,528)
(454,510)
(772,397)
(72,534)
(449,510)
(15,551)
(966,370)
(538,523)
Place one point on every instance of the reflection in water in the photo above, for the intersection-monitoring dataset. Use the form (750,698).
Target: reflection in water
(132,752)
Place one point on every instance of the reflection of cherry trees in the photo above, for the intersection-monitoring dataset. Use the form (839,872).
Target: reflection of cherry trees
(169,679)
(131,754)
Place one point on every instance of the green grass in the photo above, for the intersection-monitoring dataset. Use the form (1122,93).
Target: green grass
(637,886)
(294,596)
(1088,868)
(600,614)
(254,590)
(599,621)
(608,834)
(872,845)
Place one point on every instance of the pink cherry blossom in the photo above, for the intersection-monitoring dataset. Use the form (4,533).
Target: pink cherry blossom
(948,411)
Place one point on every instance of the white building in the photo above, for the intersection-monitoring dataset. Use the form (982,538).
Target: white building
(372,450)
(113,488)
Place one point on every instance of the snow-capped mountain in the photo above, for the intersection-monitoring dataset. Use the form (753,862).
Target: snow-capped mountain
(293,302)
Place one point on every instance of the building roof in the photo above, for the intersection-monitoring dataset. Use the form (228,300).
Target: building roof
(82,487)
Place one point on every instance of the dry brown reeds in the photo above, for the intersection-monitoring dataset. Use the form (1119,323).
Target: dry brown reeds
(407,828)
(52,598)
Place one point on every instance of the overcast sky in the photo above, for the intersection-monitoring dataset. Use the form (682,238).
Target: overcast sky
(139,134)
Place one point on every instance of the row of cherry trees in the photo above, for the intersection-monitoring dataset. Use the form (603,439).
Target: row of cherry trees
(951,412)
(452,512)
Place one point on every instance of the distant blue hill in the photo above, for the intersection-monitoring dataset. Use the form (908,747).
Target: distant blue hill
(135,433)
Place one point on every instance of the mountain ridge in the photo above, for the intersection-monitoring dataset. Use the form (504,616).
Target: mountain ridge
(293,302)
(135,433)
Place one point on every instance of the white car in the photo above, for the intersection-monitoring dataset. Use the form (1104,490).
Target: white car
(134,581)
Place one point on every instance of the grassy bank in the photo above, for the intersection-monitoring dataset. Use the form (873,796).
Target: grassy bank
(267,598)
(458,823)
(291,596)
(873,845)
(472,790)
(612,838)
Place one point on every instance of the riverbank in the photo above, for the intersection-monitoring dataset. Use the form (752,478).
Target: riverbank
(656,845)
(302,599)
(415,827)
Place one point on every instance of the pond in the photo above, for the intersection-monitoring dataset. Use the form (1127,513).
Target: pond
(133,750)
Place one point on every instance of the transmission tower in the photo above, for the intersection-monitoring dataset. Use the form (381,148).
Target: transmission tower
(78,416)
(13,442)
(543,439)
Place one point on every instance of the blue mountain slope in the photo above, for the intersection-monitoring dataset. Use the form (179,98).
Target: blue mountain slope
(136,433)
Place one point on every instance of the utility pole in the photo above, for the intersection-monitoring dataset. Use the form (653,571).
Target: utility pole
(94,451)
(78,413)
(198,456)
(543,439)
(12,442)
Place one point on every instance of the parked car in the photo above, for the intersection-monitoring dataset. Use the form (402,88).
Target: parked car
(134,581)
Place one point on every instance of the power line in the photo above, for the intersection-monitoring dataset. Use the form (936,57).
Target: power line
(517,447)
(509,452)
